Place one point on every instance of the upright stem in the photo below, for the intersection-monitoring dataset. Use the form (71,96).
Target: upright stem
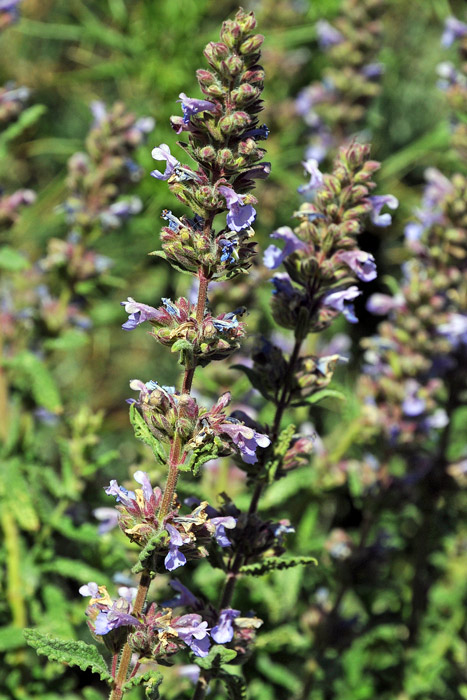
(3,397)
(125,659)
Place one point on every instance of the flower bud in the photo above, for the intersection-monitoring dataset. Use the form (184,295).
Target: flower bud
(213,91)
(253,76)
(244,94)
(252,44)
(233,65)
(234,123)
(215,52)
(246,21)
(230,32)
(207,153)
(205,77)
(224,157)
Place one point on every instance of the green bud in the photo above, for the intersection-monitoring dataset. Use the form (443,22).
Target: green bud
(246,21)
(224,157)
(234,123)
(233,65)
(230,32)
(251,45)
(213,91)
(207,153)
(215,52)
(244,94)
(205,77)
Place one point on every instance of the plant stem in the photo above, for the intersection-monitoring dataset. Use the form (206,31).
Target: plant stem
(125,659)
(3,397)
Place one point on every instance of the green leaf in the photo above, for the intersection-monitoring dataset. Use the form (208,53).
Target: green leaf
(280,448)
(326,394)
(11,637)
(16,495)
(24,121)
(40,381)
(236,686)
(12,260)
(181,345)
(146,552)
(152,680)
(143,433)
(218,656)
(275,563)
(71,339)
(74,569)
(68,652)
(199,457)
(161,254)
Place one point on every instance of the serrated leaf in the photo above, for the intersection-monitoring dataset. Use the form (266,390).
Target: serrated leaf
(236,686)
(70,652)
(276,563)
(150,677)
(218,655)
(146,552)
(280,449)
(12,260)
(143,433)
(161,254)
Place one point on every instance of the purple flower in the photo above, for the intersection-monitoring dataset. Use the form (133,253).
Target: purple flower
(378,201)
(363,264)
(108,518)
(186,597)
(340,302)
(174,558)
(116,616)
(455,329)
(454,29)
(98,111)
(143,479)
(413,231)
(283,285)
(90,589)
(246,439)
(228,250)
(373,70)
(193,630)
(316,176)
(191,106)
(122,495)
(190,671)
(327,34)
(274,256)
(261,133)
(382,304)
(162,152)
(220,524)
(138,313)
(240,215)
(223,632)
(113,216)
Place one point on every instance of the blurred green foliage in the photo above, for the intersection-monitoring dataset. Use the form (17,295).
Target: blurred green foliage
(144,52)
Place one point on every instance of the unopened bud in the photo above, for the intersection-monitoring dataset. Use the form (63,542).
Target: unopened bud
(230,32)
(234,123)
(233,65)
(205,77)
(216,52)
(251,45)
(253,77)
(224,157)
(246,21)
(207,153)
(244,95)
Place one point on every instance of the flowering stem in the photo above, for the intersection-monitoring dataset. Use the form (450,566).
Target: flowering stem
(125,659)
(3,398)
(200,308)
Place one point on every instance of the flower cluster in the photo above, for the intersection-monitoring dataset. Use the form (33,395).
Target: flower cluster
(334,107)
(453,80)
(9,13)
(321,255)
(215,338)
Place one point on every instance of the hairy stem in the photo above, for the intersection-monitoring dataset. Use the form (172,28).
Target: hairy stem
(125,658)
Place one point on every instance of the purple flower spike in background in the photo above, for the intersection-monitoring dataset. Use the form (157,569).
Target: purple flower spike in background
(378,201)
(327,34)
(191,106)
(223,632)
(454,29)
(274,256)
(316,176)
(162,152)
(363,264)
(340,301)
(240,215)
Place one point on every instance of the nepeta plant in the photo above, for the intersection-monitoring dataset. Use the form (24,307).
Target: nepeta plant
(221,133)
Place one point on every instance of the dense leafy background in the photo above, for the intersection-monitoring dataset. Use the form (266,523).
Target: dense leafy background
(143,52)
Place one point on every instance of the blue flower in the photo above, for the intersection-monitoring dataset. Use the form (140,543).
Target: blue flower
(223,632)
(240,215)
(138,313)
(174,558)
(122,495)
(227,322)
(340,302)
(192,630)
(274,256)
(162,152)
(191,106)
(261,133)
(363,264)
(108,518)
(229,254)
(246,439)
(116,616)
(327,35)
(174,223)
(283,286)
(378,201)
(454,29)
(220,523)
(186,597)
